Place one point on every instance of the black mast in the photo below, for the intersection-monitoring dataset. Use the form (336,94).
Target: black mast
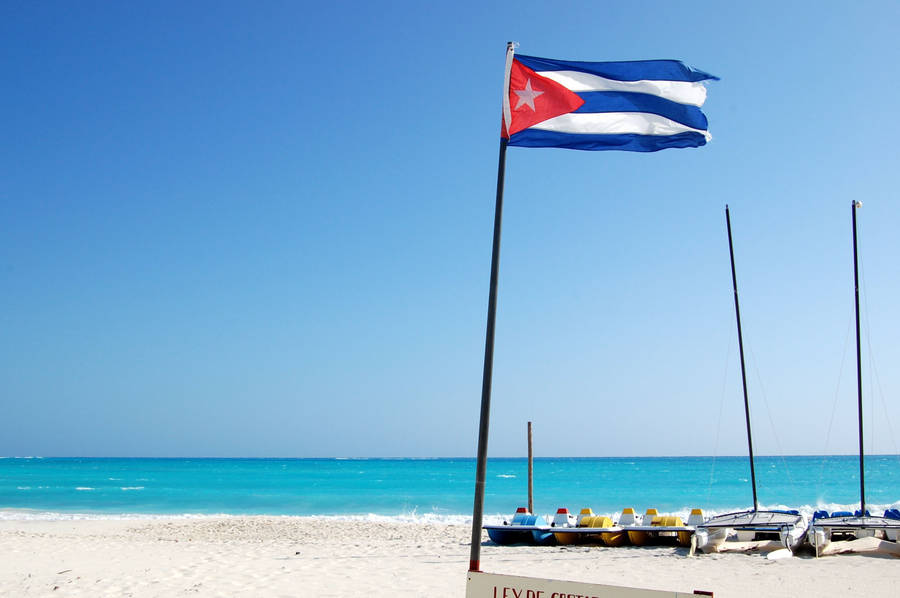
(737,313)
(862,472)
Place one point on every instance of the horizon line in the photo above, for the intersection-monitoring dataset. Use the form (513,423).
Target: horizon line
(472,458)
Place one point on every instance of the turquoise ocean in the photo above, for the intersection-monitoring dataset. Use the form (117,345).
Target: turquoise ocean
(430,490)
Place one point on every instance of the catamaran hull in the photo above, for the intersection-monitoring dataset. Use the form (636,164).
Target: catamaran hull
(714,540)
(824,529)
(790,528)
(710,540)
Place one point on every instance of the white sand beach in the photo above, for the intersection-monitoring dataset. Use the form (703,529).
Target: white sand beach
(292,556)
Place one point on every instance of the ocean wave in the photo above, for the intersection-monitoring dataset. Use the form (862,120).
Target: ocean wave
(407,518)
(132,488)
(85,488)
(411,518)
(33,515)
(506,475)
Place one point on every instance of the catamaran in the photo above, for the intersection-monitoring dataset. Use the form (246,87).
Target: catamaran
(860,524)
(752,524)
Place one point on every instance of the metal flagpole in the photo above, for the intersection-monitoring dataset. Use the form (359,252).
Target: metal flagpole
(481,467)
(484,425)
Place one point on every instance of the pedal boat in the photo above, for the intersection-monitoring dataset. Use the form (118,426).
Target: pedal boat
(525,528)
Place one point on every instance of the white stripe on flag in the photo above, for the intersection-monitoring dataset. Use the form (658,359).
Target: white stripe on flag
(683,92)
(616,123)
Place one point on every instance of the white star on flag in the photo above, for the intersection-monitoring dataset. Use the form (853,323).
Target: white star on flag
(527,96)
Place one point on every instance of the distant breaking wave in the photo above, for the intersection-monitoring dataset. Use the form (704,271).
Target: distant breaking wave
(406,518)
(31,515)
(412,518)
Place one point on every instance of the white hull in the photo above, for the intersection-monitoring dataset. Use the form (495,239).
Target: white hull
(825,529)
(746,526)
(709,540)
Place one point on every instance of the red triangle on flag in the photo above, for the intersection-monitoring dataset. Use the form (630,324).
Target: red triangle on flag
(534,99)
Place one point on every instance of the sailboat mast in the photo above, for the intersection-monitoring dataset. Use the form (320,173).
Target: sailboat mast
(737,313)
(862,469)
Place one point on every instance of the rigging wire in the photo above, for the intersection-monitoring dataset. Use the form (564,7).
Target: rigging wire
(712,469)
(884,407)
(762,390)
(834,403)
(865,321)
(887,415)
(874,378)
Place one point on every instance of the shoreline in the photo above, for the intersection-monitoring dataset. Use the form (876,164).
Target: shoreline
(411,517)
(300,556)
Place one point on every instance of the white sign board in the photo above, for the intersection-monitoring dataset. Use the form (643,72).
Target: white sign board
(491,585)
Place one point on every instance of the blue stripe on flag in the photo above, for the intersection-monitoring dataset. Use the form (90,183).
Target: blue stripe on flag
(637,70)
(627,142)
(620,101)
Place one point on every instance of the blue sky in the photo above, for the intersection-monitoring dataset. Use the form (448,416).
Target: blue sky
(264,229)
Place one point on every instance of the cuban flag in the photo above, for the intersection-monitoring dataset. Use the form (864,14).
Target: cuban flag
(638,106)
